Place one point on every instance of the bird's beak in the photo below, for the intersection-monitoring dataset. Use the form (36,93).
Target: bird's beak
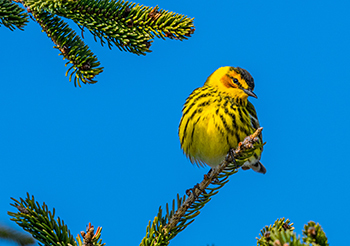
(250,93)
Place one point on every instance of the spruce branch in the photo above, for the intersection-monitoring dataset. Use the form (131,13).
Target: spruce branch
(41,223)
(12,16)
(83,62)
(183,212)
(281,233)
(129,26)
(314,234)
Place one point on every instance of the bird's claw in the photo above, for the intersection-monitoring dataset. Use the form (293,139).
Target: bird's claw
(230,157)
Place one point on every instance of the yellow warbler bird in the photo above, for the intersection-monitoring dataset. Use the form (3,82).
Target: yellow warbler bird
(217,116)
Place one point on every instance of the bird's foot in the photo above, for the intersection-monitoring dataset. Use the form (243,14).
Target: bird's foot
(230,157)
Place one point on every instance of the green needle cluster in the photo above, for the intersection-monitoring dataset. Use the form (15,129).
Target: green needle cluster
(129,26)
(12,16)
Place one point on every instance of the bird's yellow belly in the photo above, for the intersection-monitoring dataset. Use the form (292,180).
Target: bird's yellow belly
(209,146)
(211,142)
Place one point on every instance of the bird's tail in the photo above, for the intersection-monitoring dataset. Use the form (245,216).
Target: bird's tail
(257,167)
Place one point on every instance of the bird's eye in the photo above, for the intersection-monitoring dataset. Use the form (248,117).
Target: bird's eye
(235,80)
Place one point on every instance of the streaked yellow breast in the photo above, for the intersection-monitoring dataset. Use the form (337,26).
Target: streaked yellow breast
(211,124)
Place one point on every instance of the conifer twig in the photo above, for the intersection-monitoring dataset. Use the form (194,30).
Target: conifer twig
(12,16)
(281,233)
(126,25)
(44,227)
(163,228)
(199,189)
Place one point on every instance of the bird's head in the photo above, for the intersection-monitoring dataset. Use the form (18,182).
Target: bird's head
(235,81)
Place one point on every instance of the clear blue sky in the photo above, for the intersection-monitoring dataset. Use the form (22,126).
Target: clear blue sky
(109,153)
